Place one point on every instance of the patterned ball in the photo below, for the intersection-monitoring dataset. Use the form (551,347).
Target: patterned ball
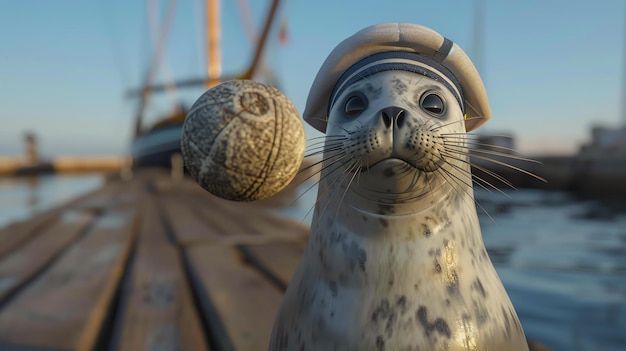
(243,141)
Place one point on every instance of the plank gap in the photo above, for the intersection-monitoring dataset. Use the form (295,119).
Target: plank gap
(198,299)
(108,336)
(45,265)
(214,329)
(250,259)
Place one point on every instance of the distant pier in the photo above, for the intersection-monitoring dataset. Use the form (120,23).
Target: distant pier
(17,166)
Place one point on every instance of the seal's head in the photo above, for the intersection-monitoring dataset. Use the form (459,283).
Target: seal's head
(398,37)
(395,101)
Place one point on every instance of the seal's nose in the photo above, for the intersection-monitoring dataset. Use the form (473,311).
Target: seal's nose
(393,114)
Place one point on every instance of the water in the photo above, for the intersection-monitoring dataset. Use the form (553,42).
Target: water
(562,261)
(22,197)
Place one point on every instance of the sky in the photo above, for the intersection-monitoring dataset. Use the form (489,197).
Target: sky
(552,68)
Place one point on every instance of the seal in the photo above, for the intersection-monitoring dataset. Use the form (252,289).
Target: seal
(395,258)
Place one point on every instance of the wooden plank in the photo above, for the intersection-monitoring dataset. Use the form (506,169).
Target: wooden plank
(278,259)
(65,307)
(17,233)
(21,265)
(227,217)
(269,223)
(238,302)
(205,225)
(158,311)
(186,224)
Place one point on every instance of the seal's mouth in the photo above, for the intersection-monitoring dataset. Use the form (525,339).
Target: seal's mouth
(391,162)
(395,163)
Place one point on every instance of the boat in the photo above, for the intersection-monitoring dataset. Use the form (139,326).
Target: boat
(157,144)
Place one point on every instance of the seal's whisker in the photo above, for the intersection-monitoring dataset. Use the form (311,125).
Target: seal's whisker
(477,136)
(324,146)
(356,171)
(474,144)
(333,161)
(326,137)
(489,172)
(314,183)
(461,158)
(331,141)
(323,150)
(479,181)
(453,181)
(521,170)
(497,153)
(435,128)
(336,183)
(473,118)
(467,184)
(312,143)
(334,141)
(321,194)
(314,164)
(466,193)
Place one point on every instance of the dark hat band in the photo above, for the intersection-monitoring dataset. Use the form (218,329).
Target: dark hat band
(348,77)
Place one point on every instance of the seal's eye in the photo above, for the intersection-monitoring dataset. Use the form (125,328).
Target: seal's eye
(432,103)
(355,105)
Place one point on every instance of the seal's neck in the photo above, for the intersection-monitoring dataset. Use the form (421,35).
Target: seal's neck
(353,208)
(377,195)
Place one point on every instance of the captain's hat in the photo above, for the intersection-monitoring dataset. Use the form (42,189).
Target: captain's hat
(395,44)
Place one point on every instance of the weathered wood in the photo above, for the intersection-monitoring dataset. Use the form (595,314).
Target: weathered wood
(239,303)
(186,224)
(65,307)
(194,225)
(278,259)
(18,233)
(19,266)
(61,301)
(158,311)
(266,222)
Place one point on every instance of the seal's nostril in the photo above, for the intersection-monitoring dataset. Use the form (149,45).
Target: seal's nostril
(400,119)
(386,118)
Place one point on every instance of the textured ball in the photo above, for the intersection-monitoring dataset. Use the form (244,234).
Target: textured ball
(243,140)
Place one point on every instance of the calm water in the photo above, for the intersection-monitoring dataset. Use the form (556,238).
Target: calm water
(22,197)
(562,261)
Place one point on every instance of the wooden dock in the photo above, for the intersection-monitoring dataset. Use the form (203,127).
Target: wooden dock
(147,264)
(151,264)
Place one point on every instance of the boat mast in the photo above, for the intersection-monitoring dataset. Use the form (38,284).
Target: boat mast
(145,91)
(214,59)
(211,81)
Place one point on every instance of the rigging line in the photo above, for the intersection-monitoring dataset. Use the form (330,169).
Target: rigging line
(117,50)
(198,28)
(246,20)
(170,86)
(154,64)
(252,35)
(262,40)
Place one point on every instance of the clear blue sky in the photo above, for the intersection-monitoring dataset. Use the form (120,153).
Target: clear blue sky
(552,68)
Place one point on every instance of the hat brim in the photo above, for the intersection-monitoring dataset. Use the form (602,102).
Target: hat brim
(396,37)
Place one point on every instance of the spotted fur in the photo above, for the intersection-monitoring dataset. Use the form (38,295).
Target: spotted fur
(395,259)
